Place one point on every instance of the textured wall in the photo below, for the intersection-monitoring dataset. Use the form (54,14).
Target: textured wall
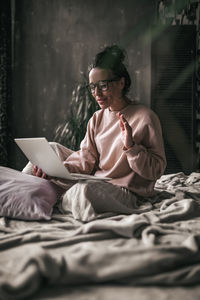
(54,41)
(5,78)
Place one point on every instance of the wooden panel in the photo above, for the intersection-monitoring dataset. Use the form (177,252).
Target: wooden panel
(172,94)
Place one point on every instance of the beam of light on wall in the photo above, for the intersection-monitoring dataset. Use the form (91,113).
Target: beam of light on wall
(178,141)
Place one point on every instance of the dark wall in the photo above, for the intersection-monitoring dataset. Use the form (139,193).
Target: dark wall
(5,78)
(55,40)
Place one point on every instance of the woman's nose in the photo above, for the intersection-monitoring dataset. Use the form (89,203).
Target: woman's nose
(97,90)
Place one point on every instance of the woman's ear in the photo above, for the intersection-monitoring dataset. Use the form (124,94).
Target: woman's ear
(122,82)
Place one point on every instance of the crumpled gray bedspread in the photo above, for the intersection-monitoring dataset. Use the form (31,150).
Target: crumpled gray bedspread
(157,247)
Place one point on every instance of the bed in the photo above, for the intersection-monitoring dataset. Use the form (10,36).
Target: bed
(151,255)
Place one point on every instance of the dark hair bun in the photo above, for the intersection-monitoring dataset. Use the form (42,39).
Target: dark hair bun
(112,58)
(109,57)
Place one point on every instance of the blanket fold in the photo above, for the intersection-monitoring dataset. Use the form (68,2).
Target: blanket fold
(155,247)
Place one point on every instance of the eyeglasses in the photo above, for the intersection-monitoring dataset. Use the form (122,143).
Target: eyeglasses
(102,85)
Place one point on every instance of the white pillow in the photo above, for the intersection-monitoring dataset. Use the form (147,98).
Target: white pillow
(24,196)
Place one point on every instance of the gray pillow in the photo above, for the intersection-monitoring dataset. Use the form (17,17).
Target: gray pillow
(24,196)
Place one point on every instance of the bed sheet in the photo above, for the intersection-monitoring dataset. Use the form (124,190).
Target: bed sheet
(157,248)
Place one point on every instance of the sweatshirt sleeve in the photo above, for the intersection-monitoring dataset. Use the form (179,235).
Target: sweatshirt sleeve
(147,156)
(84,160)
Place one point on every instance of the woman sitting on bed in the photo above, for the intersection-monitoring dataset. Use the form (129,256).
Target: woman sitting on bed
(123,141)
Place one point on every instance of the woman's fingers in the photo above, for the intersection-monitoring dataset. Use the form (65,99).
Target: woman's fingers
(124,123)
(39,173)
(128,127)
(34,170)
(122,120)
(44,175)
(126,131)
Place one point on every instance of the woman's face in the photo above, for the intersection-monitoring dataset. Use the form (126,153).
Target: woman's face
(107,93)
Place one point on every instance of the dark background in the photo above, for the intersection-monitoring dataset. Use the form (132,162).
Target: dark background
(54,41)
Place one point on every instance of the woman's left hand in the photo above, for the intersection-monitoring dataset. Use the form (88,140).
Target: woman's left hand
(39,173)
(126,131)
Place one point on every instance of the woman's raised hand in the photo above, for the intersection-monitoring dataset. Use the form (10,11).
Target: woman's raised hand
(126,131)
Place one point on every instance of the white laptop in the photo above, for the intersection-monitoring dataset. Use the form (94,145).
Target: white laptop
(40,153)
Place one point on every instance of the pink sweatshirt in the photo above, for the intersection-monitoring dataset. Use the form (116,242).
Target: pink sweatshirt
(101,151)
